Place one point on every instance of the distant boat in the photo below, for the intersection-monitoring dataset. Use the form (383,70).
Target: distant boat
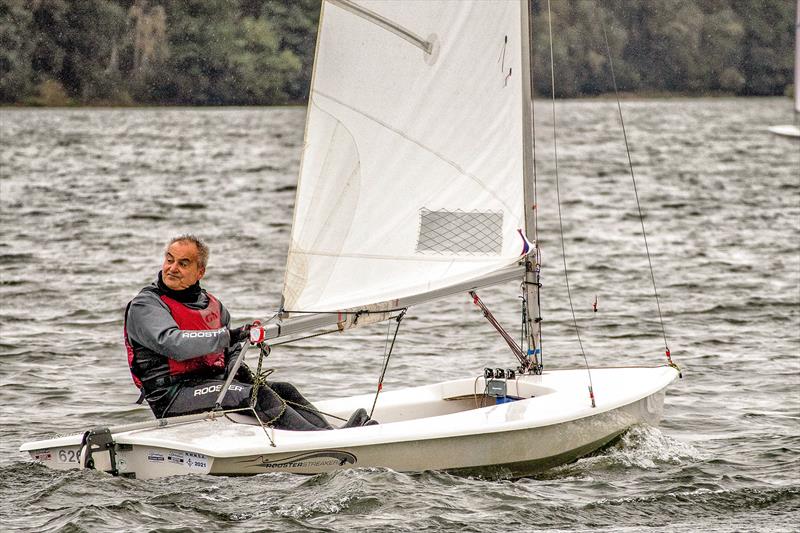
(416,182)
(793,130)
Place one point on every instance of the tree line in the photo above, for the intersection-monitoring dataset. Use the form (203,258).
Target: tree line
(260,52)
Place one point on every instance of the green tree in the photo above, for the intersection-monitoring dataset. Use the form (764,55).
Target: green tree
(91,38)
(216,56)
(205,52)
(48,54)
(199,36)
(259,69)
(76,44)
(296,25)
(722,34)
(147,37)
(580,59)
(145,49)
(16,51)
(766,56)
(663,41)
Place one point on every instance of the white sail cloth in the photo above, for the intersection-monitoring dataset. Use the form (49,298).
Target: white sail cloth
(411,176)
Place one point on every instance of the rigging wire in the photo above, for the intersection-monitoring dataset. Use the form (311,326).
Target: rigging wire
(635,190)
(558,203)
(386,356)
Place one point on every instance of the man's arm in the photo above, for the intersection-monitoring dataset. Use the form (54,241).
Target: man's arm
(151,325)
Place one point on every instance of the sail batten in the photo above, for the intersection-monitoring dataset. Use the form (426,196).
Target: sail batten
(411,173)
(416,40)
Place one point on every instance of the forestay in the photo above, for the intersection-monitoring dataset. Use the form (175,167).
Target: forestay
(411,175)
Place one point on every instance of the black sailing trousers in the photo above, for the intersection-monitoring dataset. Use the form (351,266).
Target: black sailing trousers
(272,407)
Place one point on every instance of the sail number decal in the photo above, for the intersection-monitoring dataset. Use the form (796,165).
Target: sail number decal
(69,456)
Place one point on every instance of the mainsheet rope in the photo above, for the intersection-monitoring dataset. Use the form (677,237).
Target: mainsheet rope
(261,377)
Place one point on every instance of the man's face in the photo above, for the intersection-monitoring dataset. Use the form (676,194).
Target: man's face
(181,269)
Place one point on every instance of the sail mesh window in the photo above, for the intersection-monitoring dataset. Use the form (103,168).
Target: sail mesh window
(473,232)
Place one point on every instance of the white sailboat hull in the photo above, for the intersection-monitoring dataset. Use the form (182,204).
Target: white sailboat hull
(434,427)
(786,130)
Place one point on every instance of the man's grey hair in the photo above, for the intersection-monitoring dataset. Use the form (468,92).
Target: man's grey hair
(202,248)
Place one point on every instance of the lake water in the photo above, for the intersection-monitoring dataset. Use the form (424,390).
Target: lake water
(89,196)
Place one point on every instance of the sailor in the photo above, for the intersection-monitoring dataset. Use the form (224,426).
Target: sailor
(180,345)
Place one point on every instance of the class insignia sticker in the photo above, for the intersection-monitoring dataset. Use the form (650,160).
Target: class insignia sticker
(195,460)
(42,455)
(155,457)
(175,457)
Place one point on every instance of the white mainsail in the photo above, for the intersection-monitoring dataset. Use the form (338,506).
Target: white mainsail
(411,175)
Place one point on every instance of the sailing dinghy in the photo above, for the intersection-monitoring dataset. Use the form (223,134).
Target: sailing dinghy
(793,130)
(416,170)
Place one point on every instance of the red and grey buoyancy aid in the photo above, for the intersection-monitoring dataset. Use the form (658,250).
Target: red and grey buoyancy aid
(187,319)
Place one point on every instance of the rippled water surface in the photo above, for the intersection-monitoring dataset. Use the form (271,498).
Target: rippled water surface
(88,197)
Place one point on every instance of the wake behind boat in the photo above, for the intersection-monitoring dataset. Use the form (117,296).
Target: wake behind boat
(416,183)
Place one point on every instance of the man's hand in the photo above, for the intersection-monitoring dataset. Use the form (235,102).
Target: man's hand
(240,334)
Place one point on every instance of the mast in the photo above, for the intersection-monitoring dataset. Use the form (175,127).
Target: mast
(531,283)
